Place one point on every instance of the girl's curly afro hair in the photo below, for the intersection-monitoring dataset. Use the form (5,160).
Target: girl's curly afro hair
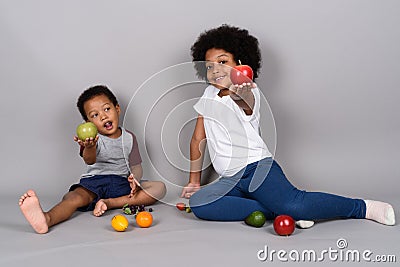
(236,41)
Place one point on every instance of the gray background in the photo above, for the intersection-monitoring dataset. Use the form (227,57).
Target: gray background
(330,74)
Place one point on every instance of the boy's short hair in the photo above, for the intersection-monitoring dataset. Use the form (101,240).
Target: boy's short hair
(92,92)
(236,41)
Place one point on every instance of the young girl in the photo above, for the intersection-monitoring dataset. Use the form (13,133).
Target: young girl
(250,179)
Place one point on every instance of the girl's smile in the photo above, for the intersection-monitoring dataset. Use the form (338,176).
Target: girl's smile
(218,64)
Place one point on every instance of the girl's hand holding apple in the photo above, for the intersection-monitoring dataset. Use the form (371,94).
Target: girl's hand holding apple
(242,91)
(241,74)
(242,83)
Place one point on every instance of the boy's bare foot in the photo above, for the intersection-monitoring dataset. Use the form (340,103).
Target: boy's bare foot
(100,208)
(30,207)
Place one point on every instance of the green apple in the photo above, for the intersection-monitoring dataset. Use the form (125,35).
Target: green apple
(86,130)
(256,219)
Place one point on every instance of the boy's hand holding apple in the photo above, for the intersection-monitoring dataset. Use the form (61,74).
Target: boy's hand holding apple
(86,135)
(88,143)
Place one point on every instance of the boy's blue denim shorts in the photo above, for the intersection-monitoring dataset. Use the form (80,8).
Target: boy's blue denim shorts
(104,186)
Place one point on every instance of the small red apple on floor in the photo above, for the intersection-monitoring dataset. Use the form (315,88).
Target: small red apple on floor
(241,74)
(181,206)
(284,225)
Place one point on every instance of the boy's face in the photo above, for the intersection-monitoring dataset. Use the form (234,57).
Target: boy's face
(102,112)
(219,64)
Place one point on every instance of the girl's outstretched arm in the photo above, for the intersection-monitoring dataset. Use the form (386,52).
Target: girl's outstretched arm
(243,96)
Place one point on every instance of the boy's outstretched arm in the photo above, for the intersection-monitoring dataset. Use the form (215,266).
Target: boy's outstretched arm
(197,148)
(88,149)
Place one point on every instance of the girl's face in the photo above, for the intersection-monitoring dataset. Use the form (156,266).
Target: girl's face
(219,64)
(102,112)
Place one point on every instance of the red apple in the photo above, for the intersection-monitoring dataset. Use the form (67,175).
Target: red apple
(181,206)
(241,74)
(86,130)
(284,225)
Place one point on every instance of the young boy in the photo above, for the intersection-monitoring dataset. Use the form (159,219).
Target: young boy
(109,182)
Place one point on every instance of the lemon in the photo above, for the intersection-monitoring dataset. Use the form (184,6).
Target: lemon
(256,219)
(119,223)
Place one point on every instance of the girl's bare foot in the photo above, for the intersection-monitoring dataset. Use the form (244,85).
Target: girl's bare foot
(30,207)
(100,208)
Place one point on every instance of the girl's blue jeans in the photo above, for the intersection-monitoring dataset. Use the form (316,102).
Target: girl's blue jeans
(263,186)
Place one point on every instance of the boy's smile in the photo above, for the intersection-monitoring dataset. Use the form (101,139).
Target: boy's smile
(102,112)
(218,64)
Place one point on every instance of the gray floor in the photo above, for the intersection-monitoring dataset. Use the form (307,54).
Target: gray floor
(179,239)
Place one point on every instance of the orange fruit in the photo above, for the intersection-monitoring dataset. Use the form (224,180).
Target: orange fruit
(119,223)
(144,219)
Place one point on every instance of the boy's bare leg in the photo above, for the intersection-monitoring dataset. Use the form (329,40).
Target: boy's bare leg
(152,191)
(41,221)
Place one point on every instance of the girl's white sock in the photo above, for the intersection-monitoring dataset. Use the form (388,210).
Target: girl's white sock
(304,224)
(380,211)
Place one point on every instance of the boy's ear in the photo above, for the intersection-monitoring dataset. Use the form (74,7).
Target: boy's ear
(118,108)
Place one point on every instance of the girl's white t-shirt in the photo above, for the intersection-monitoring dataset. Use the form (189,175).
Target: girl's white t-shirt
(233,138)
